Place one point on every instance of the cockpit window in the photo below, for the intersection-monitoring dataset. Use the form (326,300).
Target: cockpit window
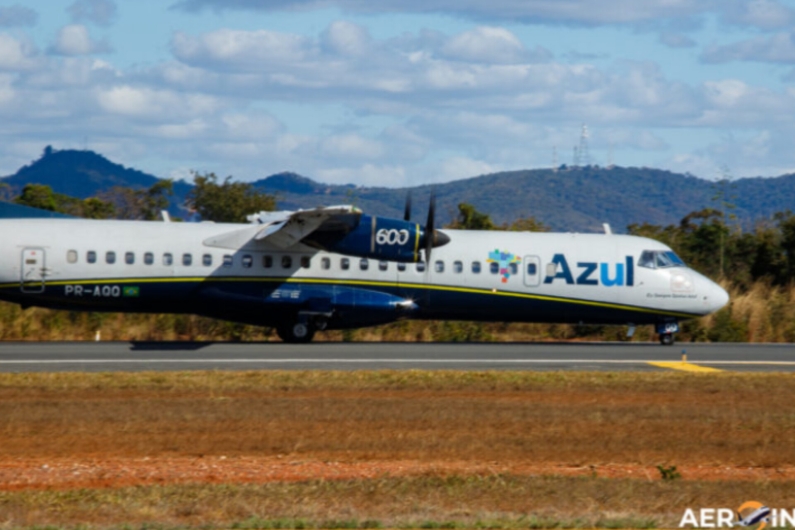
(660,259)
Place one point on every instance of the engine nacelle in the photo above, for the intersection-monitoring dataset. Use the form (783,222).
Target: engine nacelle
(379,238)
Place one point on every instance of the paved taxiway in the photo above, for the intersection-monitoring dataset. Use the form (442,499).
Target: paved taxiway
(139,356)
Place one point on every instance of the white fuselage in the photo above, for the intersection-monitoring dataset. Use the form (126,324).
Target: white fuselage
(479,275)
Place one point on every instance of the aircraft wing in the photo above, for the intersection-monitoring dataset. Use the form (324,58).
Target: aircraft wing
(281,229)
(284,231)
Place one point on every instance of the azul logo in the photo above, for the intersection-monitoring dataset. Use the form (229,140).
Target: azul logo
(592,272)
(506,261)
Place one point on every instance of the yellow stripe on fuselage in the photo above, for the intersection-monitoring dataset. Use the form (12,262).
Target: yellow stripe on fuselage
(365,283)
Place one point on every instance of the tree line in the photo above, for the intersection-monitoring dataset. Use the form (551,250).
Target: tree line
(222,201)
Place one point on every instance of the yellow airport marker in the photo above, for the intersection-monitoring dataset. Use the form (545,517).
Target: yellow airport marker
(683,365)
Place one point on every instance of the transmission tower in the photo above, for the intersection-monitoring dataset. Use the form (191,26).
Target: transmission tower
(582,151)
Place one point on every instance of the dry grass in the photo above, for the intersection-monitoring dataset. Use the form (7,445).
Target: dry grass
(451,501)
(576,419)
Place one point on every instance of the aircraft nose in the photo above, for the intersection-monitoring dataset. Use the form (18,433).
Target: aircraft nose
(717,297)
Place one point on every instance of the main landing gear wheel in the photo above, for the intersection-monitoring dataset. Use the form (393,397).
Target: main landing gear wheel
(296,333)
(666,339)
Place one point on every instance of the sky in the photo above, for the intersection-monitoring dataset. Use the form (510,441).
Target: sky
(400,92)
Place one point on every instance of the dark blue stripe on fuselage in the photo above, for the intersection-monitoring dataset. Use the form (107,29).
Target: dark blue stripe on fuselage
(267,301)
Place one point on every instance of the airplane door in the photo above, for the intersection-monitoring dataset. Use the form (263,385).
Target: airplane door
(532,271)
(32,270)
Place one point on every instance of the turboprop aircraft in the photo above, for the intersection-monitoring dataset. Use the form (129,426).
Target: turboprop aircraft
(337,267)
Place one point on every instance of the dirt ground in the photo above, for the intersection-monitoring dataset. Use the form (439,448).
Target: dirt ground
(76,473)
(97,432)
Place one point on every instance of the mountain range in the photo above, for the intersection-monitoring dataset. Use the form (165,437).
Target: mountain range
(567,199)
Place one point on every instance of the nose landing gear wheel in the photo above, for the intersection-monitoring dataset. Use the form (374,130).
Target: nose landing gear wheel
(296,333)
(666,339)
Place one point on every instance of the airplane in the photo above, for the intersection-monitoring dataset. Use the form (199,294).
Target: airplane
(338,268)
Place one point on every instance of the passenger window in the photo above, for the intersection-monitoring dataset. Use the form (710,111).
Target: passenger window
(305,262)
(345,264)
(187,259)
(129,258)
(207,260)
(110,257)
(420,266)
(439,266)
(494,267)
(91,256)
(267,261)
(402,267)
(458,267)
(287,262)
(71,256)
(514,268)
(325,263)
(248,261)
(364,264)
(476,267)
(228,261)
(149,258)
(532,270)
(168,259)
(646,259)
(383,265)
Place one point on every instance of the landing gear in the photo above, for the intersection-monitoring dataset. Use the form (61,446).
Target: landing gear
(296,332)
(666,339)
(666,331)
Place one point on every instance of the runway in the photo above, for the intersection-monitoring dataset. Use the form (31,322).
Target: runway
(602,356)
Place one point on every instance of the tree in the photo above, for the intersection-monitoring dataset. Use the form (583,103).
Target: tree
(5,192)
(38,196)
(228,202)
(42,197)
(471,219)
(527,224)
(139,204)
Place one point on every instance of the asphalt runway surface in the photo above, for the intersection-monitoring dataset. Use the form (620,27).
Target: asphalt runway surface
(602,356)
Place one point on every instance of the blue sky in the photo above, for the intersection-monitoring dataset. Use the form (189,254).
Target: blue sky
(396,93)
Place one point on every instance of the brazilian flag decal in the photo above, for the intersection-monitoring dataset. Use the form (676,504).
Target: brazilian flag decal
(132,290)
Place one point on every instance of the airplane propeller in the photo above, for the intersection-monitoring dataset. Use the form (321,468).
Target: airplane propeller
(430,235)
(407,211)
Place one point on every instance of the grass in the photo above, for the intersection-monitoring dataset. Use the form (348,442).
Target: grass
(419,502)
(649,419)
(670,420)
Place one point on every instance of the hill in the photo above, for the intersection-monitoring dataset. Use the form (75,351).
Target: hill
(575,199)
(85,174)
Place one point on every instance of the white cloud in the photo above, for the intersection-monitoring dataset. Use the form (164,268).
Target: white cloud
(676,40)
(144,102)
(486,44)
(365,175)
(17,15)
(762,14)
(100,12)
(346,38)
(75,40)
(244,51)
(15,54)
(575,12)
(778,48)
(351,146)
